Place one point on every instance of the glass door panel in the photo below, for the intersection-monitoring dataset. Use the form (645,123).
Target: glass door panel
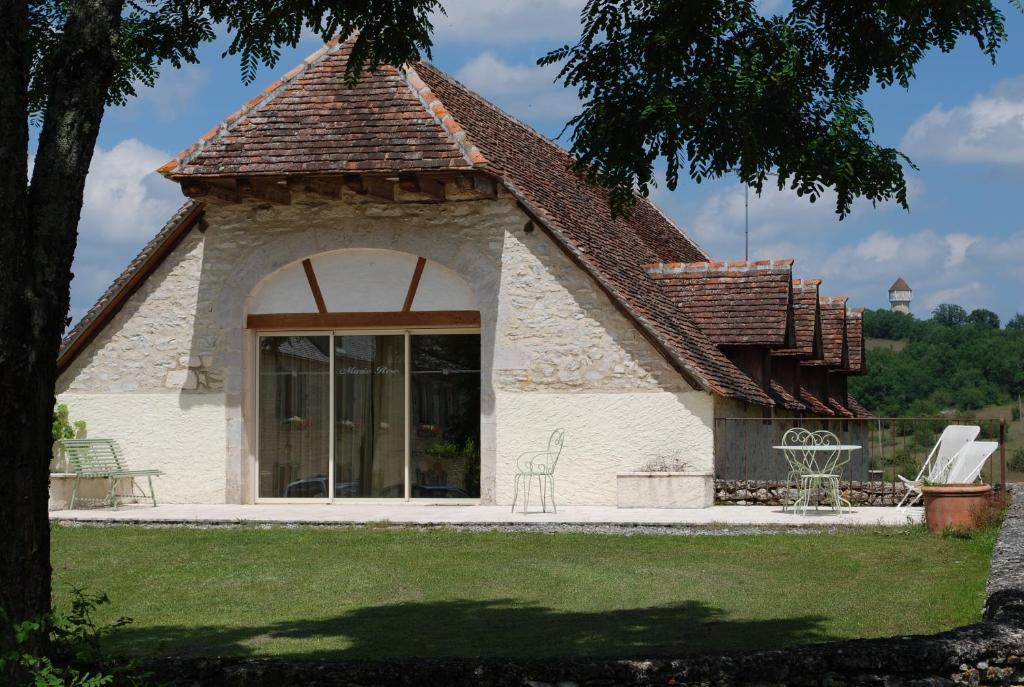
(369,411)
(294,416)
(445,423)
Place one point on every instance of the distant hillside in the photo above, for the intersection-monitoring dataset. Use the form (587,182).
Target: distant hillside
(954,361)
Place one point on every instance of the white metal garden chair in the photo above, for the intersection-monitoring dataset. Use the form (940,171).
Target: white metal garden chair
(823,472)
(796,459)
(936,467)
(969,461)
(539,465)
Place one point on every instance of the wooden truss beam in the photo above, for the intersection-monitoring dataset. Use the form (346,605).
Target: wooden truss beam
(341,320)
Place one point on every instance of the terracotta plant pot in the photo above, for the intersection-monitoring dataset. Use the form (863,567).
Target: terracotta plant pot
(955,505)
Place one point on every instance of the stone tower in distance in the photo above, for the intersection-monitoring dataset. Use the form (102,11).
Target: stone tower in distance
(900,295)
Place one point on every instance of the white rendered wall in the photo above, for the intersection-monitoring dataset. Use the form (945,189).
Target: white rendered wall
(555,352)
(181,434)
(605,434)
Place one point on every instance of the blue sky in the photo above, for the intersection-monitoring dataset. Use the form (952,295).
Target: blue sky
(962,122)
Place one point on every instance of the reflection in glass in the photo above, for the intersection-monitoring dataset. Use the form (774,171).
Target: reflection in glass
(369,408)
(294,398)
(445,422)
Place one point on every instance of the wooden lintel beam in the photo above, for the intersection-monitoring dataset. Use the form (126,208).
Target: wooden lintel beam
(202,189)
(417,318)
(409,185)
(485,186)
(270,190)
(380,187)
(354,183)
(432,185)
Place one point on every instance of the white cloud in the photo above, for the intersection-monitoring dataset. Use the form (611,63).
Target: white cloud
(971,295)
(774,216)
(988,129)
(125,199)
(488,22)
(526,90)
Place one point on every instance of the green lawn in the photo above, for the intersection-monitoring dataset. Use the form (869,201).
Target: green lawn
(398,592)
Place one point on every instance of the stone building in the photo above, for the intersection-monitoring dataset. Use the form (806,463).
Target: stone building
(391,291)
(900,295)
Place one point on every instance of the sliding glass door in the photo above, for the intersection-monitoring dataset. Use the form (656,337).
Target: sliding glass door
(369,416)
(380,416)
(294,406)
(445,409)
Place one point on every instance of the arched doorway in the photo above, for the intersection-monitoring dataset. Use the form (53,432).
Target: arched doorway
(367,380)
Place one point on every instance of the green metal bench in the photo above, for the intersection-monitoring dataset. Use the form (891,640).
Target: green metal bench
(104,458)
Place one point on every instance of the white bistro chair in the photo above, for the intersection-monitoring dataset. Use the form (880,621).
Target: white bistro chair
(539,465)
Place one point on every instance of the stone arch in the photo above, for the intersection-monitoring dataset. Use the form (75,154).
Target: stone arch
(361,280)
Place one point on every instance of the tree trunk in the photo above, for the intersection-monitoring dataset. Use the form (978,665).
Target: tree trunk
(37,244)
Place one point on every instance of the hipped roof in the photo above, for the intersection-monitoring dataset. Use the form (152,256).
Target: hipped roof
(416,119)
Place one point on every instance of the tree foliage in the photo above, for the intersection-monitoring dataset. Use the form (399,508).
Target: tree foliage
(983,318)
(713,86)
(156,32)
(61,64)
(1016,323)
(942,367)
(949,315)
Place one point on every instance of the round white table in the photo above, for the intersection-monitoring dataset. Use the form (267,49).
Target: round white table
(813,476)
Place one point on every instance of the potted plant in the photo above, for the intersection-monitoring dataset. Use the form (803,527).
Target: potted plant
(955,506)
(666,482)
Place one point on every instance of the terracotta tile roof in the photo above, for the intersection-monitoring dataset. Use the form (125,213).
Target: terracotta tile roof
(785,399)
(814,404)
(900,285)
(735,303)
(310,122)
(833,332)
(839,408)
(855,340)
(419,119)
(148,259)
(857,409)
(611,250)
(806,320)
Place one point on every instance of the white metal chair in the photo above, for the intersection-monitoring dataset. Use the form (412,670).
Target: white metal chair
(824,475)
(938,463)
(969,461)
(539,465)
(796,459)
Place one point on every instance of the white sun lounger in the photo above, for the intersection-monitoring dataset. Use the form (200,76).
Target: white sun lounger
(939,461)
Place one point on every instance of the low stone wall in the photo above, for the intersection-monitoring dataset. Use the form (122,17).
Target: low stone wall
(988,653)
(767,493)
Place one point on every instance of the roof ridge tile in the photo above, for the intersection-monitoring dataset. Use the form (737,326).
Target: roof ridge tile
(442,116)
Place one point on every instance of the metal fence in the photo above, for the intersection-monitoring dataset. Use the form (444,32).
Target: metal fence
(890,446)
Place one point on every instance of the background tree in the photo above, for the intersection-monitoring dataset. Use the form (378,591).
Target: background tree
(712,87)
(888,324)
(986,319)
(949,315)
(940,368)
(61,64)
(1016,323)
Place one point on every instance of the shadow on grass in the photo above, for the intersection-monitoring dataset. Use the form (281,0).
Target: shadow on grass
(502,627)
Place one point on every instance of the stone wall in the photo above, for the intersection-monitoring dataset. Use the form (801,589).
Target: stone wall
(552,344)
(988,653)
(767,493)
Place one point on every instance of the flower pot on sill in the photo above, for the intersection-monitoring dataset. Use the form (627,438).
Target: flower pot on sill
(955,505)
